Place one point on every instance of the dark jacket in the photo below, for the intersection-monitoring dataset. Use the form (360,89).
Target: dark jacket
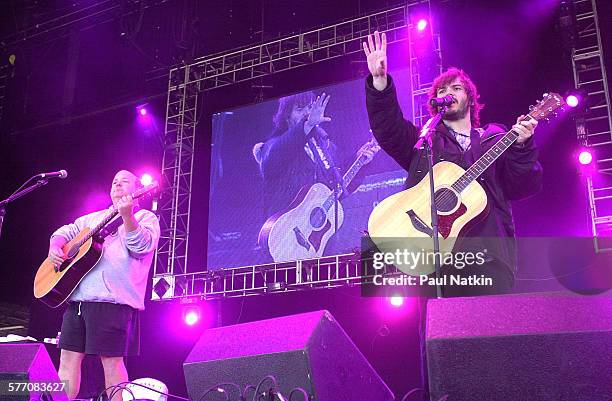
(516,174)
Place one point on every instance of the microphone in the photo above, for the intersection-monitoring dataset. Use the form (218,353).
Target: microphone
(442,101)
(60,174)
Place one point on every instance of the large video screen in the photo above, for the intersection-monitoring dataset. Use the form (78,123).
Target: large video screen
(278,194)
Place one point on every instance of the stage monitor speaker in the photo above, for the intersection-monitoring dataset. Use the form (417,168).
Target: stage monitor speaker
(309,350)
(27,363)
(529,347)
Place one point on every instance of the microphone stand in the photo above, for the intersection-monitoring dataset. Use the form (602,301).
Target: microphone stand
(19,194)
(425,141)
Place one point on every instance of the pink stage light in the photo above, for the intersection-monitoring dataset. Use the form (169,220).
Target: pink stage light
(396,301)
(192,316)
(585,157)
(572,100)
(146,179)
(143,112)
(421,25)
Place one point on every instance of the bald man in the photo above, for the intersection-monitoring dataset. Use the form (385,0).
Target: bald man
(102,317)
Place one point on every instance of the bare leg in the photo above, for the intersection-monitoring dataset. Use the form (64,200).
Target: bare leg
(114,373)
(70,371)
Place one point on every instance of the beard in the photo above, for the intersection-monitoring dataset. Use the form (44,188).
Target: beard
(458,114)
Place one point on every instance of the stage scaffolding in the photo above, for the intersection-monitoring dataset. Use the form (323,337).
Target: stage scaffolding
(593,126)
(171,278)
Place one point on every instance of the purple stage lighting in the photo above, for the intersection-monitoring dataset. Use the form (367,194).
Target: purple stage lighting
(421,25)
(396,301)
(142,110)
(572,100)
(192,316)
(146,179)
(585,157)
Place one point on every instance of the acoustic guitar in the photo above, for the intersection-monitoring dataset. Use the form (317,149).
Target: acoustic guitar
(53,285)
(402,222)
(303,229)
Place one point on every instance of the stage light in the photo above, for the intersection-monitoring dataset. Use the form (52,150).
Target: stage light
(142,110)
(577,101)
(421,25)
(191,315)
(572,100)
(396,301)
(146,179)
(585,157)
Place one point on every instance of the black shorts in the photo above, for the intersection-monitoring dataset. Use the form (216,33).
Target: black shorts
(101,328)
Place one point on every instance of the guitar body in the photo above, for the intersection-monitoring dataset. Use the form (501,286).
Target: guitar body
(303,231)
(403,220)
(54,287)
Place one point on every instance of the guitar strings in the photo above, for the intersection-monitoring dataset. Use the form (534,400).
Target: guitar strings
(449,196)
(541,106)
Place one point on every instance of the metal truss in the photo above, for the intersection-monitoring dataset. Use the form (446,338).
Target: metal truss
(297,50)
(187,82)
(593,127)
(174,203)
(320,273)
(425,66)
(68,17)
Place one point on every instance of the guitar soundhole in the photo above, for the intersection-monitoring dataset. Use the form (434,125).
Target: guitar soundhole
(317,217)
(446,200)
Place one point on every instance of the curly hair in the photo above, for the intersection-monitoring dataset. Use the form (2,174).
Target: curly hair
(446,78)
(285,107)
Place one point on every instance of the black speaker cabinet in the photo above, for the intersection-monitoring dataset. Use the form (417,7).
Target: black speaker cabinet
(308,350)
(528,347)
(27,363)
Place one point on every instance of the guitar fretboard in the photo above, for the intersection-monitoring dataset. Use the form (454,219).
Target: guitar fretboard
(485,161)
(112,213)
(346,179)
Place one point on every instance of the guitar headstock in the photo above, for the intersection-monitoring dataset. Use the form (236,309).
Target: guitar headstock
(551,103)
(146,190)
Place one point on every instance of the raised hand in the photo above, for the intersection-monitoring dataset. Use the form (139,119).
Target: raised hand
(317,113)
(376,53)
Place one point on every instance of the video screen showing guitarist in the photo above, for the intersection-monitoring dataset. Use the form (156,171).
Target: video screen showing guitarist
(516,174)
(299,154)
(102,316)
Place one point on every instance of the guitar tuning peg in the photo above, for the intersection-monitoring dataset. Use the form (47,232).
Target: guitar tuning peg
(545,94)
(547,119)
(531,107)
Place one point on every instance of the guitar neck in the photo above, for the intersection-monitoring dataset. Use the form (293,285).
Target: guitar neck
(353,170)
(485,161)
(113,212)
(95,230)
(550,104)
(347,178)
